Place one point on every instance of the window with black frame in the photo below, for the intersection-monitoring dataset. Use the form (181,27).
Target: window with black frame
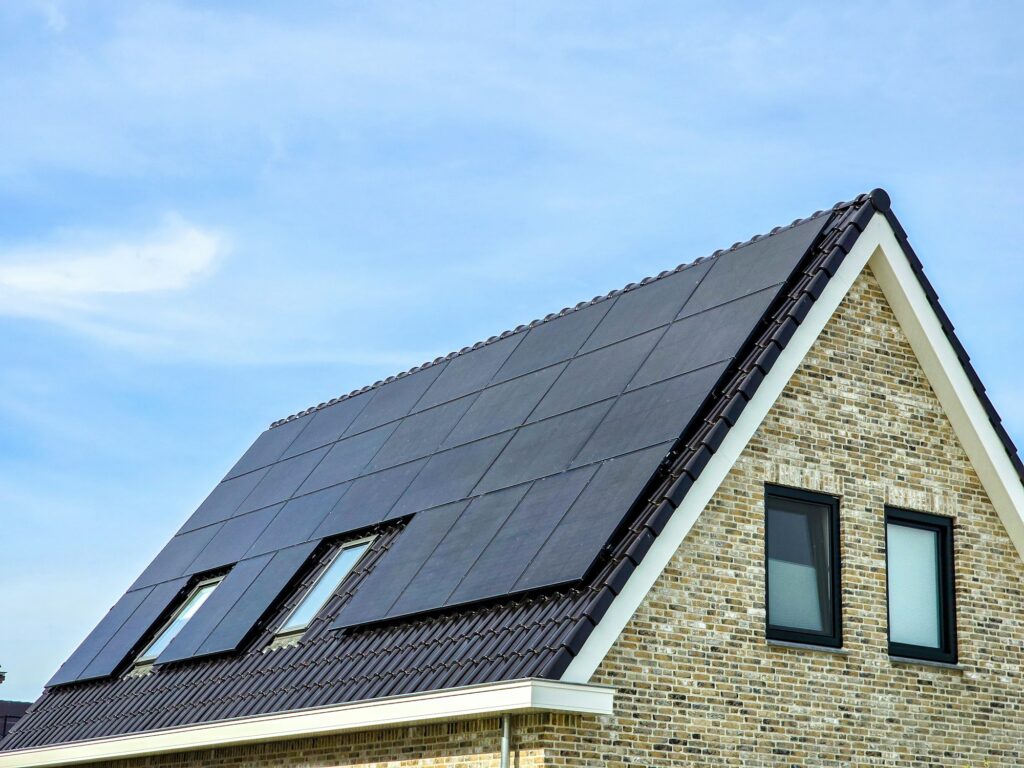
(802,567)
(919,561)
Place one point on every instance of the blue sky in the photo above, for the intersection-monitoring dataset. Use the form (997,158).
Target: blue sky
(213,215)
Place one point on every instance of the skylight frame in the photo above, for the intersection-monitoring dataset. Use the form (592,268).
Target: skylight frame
(147,659)
(284,630)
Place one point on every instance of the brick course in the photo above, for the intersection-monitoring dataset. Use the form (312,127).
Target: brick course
(697,684)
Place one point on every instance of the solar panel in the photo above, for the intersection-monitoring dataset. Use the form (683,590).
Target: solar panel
(327,425)
(572,547)
(347,458)
(369,499)
(650,415)
(420,434)
(597,375)
(128,637)
(544,447)
(700,340)
(283,479)
(450,475)
(503,406)
(268,447)
(647,307)
(224,500)
(396,569)
(224,596)
(470,371)
(396,399)
(297,520)
(175,558)
(753,267)
(266,588)
(458,550)
(523,533)
(233,539)
(99,637)
(553,341)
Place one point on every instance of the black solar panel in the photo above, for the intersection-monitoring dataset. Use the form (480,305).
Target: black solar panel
(186,643)
(651,306)
(396,399)
(569,550)
(327,425)
(233,540)
(544,447)
(489,453)
(224,500)
(269,447)
(118,614)
(470,372)
(598,375)
(523,533)
(128,636)
(391,576)
(503,406)
(455,555)
(554,341)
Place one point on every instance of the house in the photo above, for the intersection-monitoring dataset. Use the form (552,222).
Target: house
(10,713)
(757,510)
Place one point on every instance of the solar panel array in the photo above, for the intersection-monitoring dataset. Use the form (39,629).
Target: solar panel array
(517,461)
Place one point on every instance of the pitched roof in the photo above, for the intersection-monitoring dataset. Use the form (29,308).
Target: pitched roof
(530,559)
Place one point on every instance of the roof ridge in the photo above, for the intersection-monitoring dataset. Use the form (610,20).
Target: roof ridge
(568,310)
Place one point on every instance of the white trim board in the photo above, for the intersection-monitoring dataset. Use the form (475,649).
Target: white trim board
(878,247)
(518,696)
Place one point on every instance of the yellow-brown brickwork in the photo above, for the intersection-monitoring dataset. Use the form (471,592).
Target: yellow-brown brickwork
(698,685)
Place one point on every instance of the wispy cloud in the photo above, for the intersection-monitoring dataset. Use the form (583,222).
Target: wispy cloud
(169,258)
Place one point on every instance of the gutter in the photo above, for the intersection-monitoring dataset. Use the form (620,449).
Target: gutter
(489,699)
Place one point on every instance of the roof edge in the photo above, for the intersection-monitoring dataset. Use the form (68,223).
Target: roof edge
(489,699)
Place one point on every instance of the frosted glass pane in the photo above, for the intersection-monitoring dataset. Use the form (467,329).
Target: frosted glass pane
(793,599)
(914,586)
(799,571)
(195,602)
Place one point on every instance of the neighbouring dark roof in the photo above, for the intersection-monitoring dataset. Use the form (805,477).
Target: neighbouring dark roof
(10,713)
(551,563)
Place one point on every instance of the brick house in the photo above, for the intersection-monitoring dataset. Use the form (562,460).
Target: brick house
(757,510)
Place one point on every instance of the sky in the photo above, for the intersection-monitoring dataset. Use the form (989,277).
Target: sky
(215,214)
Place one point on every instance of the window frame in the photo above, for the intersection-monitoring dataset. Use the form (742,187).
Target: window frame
(281,632)
(943,526)
(832,637)
(141,660)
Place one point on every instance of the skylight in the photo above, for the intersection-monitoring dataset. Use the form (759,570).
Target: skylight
(180,618)
(324,588)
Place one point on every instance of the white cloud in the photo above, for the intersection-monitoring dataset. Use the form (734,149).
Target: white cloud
(170,258)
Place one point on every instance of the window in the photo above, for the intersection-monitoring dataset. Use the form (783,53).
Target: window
(802,567)
(324,587)
(919,560)
(180,618)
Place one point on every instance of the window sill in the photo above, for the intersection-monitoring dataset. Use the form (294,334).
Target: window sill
(906,660)
(808,647)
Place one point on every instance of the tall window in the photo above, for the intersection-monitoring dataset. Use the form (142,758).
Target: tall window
(324,587)
(177,621)
(919,556)
(802,576)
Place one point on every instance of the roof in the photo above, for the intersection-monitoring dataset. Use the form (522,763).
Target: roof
(594,423)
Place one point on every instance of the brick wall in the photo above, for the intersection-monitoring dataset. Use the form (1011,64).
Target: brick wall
(697,683)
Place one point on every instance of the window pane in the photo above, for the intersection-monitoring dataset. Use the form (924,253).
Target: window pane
(914,607)
(799,571)
(162,640)
(324,588)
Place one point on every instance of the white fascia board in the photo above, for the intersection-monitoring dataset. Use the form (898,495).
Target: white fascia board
(517,696)
(952,386)
(608,629)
